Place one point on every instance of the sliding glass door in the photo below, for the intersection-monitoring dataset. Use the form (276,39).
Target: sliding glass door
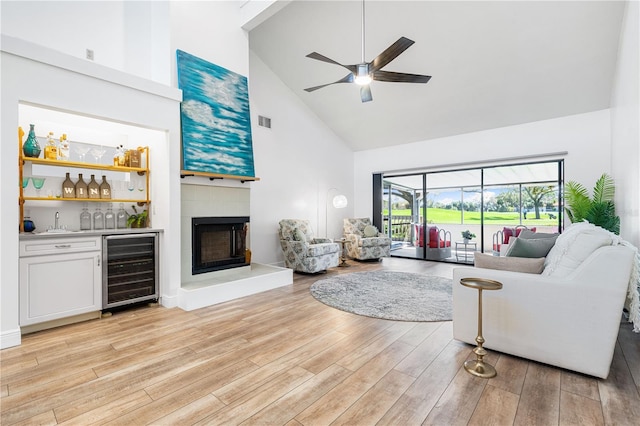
(429,214)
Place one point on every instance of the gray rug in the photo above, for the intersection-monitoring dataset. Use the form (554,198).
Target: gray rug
(390,295)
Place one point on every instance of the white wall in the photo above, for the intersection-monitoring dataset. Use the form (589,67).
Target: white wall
(211,31)
(124,35)
(298,161)
(586,138)
(625,126)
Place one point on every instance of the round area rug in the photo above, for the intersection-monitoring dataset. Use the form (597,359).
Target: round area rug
(389,295)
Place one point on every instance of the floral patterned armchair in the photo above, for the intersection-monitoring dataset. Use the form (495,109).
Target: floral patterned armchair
(364,241)
(303,252)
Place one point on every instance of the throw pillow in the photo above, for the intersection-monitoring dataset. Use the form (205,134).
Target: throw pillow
(572,256)
(298,235)
(370,231)
(530,235)
(513,264)
(535,248)
(506,234)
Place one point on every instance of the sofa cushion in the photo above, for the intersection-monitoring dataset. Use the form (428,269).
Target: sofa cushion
(370,231)
(514,264)
(520,247)
(316,250)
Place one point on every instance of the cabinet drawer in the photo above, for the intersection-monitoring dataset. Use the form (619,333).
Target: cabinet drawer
(59,246)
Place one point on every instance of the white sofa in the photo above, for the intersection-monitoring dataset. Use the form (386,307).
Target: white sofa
(570,322)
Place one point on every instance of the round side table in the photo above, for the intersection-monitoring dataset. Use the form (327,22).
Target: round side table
(478,367)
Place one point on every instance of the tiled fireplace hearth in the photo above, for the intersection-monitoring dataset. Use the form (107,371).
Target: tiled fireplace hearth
(219,217)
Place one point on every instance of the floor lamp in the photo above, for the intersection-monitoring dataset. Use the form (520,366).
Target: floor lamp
(339,202)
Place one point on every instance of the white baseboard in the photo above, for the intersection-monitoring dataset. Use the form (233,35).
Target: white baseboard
(169,301)
(10,338)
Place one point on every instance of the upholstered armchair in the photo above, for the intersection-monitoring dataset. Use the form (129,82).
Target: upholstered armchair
(363,241)
(303,252)
(438,243)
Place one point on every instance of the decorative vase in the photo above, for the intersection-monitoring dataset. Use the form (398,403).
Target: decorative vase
(31,147)
(28,224)
(466,240)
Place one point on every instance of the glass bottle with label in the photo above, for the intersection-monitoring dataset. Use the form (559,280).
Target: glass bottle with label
(98,219)
(105,188)
(68,188)
(121,217)
(93,188)
(81,188)
(51,149)
(109,218)
(85,218)
(63,148)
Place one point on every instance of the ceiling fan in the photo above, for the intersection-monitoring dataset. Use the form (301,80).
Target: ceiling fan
(365,72)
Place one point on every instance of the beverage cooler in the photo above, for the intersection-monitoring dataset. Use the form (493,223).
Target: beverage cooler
(129,269)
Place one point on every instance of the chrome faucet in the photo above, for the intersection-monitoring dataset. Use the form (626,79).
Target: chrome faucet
(56,226)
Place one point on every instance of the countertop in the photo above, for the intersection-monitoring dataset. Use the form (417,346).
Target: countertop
(92,233)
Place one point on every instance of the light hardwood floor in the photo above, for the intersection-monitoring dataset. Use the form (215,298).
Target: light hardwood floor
(282,358)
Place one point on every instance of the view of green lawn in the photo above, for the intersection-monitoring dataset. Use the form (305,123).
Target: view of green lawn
(437,215)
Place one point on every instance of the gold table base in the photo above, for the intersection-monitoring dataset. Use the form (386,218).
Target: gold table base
(343,256)
(478,367)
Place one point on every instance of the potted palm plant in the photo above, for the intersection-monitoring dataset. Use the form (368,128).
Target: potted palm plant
(599,210)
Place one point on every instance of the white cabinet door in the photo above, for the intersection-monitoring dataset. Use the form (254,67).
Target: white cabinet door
(58,286)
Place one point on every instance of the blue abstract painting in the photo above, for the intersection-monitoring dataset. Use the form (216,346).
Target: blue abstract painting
(216,125)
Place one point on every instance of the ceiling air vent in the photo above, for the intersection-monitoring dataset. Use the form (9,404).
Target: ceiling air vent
(264,121)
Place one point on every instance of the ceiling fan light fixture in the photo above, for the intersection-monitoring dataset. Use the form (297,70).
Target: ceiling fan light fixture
(362,77)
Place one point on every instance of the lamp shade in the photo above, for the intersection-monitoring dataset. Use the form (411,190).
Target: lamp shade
(340,202)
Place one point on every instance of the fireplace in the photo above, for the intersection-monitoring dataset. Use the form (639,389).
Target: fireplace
(218,243)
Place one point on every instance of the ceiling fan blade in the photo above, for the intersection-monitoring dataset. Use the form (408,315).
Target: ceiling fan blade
(319,57)
(399,77)
(365,93)
(346,79)
(391,53)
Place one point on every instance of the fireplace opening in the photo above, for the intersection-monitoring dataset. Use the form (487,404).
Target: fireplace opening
(218,243)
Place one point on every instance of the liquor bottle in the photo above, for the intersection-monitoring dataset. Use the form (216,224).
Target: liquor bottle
(81,188)
(105,188)
(51,149)
(31,147)
(85,219)
(98,219)
(68,188)
(110,218)
(63,148)
(121,217)
(93,188)
(119,157)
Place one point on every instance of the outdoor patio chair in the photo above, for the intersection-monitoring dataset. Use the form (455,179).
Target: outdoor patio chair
(438,242)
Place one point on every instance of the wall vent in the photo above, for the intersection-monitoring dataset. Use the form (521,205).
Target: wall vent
(264,121)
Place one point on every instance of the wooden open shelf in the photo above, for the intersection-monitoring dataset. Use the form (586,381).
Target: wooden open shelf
(22,160)
(81,165)
(213,176)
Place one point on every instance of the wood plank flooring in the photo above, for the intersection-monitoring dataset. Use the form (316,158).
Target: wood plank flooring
(282,358)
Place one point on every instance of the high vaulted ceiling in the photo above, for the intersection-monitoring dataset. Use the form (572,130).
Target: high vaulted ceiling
(493,64)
